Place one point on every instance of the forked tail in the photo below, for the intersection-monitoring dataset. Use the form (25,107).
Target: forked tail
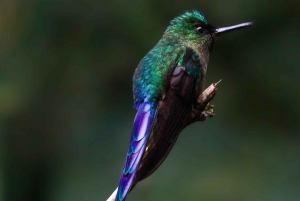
(142,127)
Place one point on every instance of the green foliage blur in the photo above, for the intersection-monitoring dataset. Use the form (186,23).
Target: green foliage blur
(66,107)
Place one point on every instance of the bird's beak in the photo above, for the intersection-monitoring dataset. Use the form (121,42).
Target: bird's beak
(232,28)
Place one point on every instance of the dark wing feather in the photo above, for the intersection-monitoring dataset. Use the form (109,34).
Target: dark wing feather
(172,112)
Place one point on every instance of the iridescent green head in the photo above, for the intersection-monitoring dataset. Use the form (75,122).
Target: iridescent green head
(192,29)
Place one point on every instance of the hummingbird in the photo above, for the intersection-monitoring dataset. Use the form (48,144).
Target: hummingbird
(172,73)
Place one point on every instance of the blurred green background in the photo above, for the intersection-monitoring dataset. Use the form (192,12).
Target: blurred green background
(66,107)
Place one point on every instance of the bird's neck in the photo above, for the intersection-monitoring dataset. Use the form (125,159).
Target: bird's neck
(203,53)
(204,56)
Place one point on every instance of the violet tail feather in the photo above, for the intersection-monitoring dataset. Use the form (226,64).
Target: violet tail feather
(142,128)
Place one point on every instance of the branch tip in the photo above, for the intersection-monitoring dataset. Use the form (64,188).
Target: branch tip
(215,84)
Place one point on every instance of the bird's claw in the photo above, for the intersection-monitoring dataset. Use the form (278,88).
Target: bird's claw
(202,110)
(207,113)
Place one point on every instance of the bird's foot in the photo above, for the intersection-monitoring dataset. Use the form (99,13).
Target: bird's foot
(202,110)
(207,113)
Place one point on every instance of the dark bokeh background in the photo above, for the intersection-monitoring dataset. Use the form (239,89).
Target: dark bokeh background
(66,102)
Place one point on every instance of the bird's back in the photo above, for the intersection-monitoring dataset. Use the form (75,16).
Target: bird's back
(153,72)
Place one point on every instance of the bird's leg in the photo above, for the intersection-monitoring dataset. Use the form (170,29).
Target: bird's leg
(202,110)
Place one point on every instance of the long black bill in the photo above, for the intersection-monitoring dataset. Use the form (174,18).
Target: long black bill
(233,28)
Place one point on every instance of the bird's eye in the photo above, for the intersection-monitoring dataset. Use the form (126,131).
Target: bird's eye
(200,30)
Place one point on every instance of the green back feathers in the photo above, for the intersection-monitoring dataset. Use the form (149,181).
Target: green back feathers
(152,71)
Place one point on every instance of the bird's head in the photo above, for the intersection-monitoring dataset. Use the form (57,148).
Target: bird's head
(192,29)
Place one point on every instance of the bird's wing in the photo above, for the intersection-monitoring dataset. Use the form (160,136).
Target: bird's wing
(171,115)
(142,128)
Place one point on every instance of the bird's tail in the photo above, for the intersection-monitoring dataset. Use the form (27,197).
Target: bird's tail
(142,127)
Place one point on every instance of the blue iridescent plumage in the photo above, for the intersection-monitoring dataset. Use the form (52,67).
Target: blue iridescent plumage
(166,85)
(142,126)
